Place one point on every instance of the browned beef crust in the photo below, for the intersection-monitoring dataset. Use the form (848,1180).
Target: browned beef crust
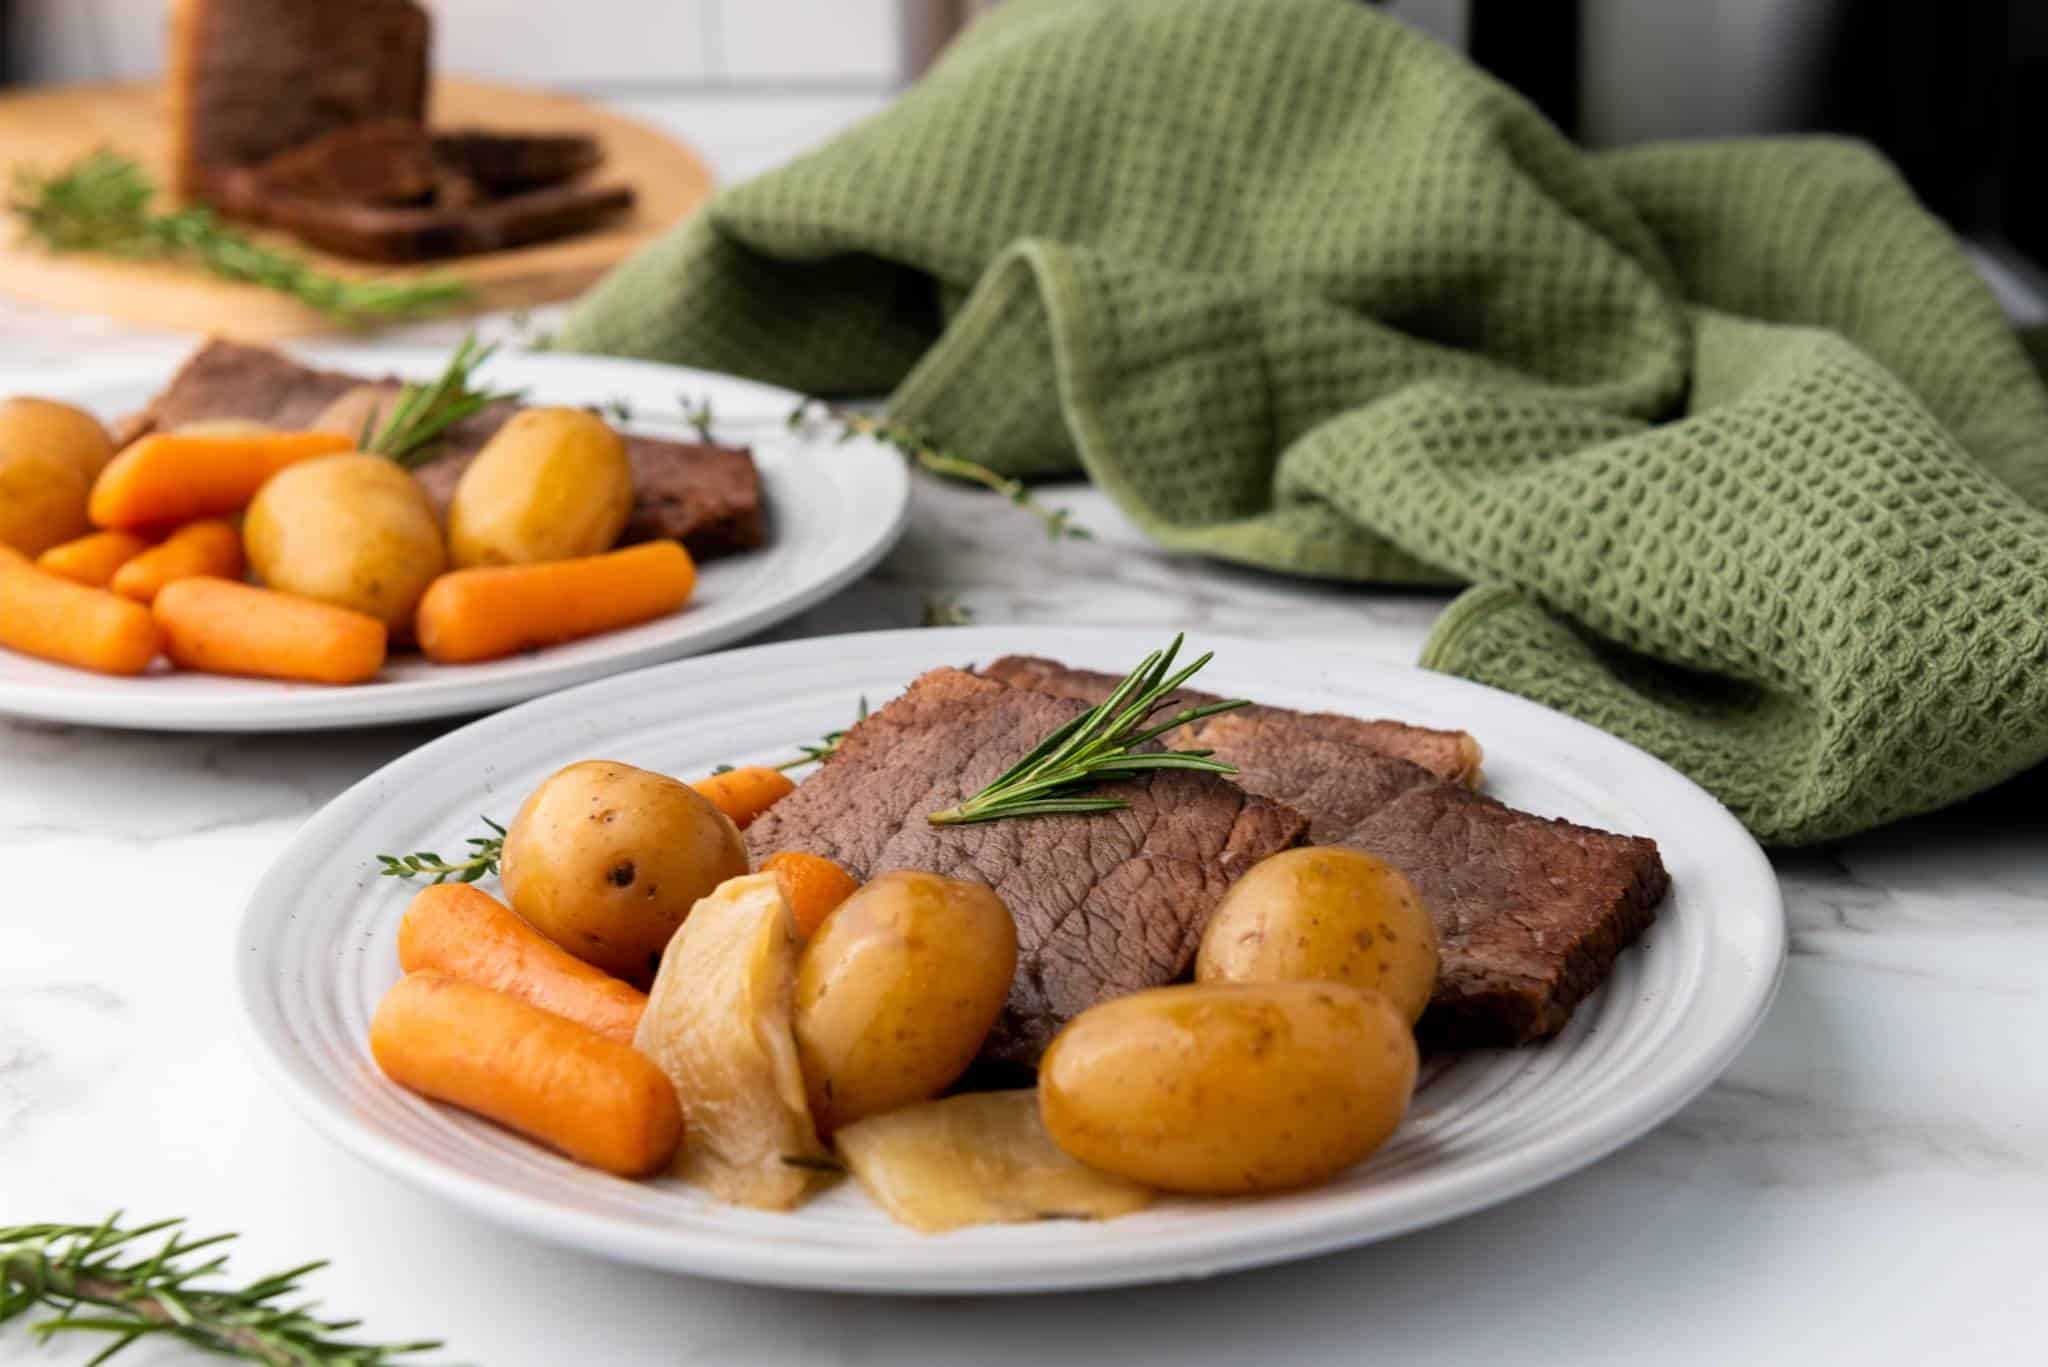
(1451,755)
(1105,904)
(706,496)
(1530,913)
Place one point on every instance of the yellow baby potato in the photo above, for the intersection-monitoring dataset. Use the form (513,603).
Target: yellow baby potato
(553,484)
(1324,912)
(1229,1088)
(354,530)
(56,429)
(606,860)
(896,991)
(42,500)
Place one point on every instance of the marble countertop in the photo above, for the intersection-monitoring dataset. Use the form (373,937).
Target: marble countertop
(1868,1183)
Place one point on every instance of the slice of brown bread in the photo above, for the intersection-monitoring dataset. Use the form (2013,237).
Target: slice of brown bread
(1530,913)
(249,79)
(395,234)
(504,163)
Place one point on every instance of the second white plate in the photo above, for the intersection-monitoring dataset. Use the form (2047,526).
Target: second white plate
(833,508)
(317,949)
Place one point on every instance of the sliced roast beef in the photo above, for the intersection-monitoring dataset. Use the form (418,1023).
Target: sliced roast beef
(706,496)
(1106,904)
(1530,913)
(1451,755)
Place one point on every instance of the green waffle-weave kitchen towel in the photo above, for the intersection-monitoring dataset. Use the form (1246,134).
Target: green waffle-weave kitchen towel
(1741,460)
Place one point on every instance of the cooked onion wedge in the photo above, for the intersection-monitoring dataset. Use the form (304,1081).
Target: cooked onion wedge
(979,1159)
(718,1024)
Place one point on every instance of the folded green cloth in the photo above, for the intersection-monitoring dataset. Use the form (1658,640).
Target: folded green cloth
(1743,461)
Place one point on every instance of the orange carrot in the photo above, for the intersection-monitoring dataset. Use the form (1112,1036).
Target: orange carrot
(10,556)
(468,934)
(197,548)
(221,627)
(599,1101)
(486,613)
(170,477)
(91,560)
(56,619)
(743,794)
(812,885)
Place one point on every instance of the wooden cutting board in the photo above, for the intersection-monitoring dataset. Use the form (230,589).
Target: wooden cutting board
(47,129)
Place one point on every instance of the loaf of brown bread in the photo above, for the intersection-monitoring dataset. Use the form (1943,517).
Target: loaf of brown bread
(249,79)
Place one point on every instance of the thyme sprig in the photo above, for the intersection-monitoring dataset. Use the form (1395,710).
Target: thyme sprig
(827,745)
(98,1279)
(425,412)
(101,204)
(484,853)
(1058,522)
(1099,746)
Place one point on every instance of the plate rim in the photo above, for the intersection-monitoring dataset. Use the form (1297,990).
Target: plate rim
(389,704)
(953,1270)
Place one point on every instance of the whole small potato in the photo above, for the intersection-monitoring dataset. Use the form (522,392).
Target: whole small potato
(606,860)
(1324,912)
(1228,1088)
(42,500)
(56,429)
(223,427)
(553,484)
(365,408)
(896,991)
(354,530)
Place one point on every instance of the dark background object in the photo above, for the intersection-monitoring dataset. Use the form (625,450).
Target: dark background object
(1956,94)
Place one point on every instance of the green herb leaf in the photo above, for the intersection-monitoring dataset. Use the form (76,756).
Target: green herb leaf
(484,853)
(425,412)
(1098,746)
(69,1269)
(101,204)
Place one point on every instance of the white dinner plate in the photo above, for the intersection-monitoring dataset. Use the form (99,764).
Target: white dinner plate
(833,510)
(317,949)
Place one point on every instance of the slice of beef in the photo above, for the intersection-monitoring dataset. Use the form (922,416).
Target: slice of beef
(706,496)
(1452,755)
(1530,913)
(249,79)
(1106,904)
(504,163)
(431,232)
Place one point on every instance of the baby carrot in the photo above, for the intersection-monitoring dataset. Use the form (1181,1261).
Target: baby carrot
(489,612)
(812,885)
(466,933)
(91,560)
(181,476)
(197,548)
(56,619)
(743,794)
(599,1101)
(221,627)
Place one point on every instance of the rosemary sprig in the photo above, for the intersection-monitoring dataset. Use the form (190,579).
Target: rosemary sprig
(1058,522)
(101,204)
(96,1280)
(827,746)
(424,412)
(484,853)
(1099,746)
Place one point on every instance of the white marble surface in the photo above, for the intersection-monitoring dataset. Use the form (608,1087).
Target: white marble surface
(1869,1184)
